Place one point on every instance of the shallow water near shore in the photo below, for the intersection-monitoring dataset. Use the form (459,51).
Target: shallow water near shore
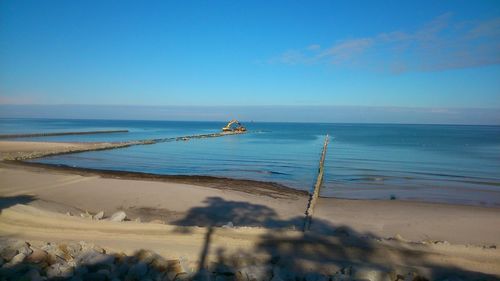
(435,163)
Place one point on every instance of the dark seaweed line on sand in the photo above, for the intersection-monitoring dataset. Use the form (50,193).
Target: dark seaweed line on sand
(10,136)
(271,189)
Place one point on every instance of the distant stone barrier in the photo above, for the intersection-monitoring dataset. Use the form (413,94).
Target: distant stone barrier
(11,136)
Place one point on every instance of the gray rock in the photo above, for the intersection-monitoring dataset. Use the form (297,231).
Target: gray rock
(138,270)
(8,253)
(98,216)
(413,276)
(81,270)
(221,268)
(17,259)
(254,272)
(314,276)
(94,276)
(25,249)
(223,278)
(37,256)
(94,258)
(146,256)
(182,277)
(86,215)
(118,216)
(68,251)
(121,270)
(340,277)
(32,275)
(59,270)
(105,272)
(228,225)
(53,249)
(66,271)
(202,275)
(283,274)
(8,248)
(90,246)
(370,274)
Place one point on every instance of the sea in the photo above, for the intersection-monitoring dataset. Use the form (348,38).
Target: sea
(430,163)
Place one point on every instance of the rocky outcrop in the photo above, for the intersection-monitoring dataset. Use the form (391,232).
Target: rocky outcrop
(118,216)
(20,260)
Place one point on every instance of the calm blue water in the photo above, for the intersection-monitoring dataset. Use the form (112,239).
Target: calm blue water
(437,163)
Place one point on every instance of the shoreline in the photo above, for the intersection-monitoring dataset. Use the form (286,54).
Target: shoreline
(266,188)
(71,190)
(243,185)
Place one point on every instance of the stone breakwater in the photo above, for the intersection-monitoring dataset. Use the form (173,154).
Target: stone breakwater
(65,148)
(10,136)
(62,149)
(22,260)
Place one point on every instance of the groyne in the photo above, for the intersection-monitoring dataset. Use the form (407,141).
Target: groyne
(32,135)
(67,148)
(317,187)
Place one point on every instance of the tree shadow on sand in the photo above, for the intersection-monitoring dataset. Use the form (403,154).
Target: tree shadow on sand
(6,202)
(325,249)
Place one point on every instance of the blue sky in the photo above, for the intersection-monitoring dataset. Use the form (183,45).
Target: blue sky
(427,54)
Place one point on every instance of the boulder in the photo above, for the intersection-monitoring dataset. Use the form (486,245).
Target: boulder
(372,274)
(25,249)
(17,259)
(86,215)
(145,256)
(8,253)
(32,275)
(138,270)
(118,216)
(90,246)
(340,277)
(95,276)
(59,270)
(105,272)
(314,276)
(254,272)
(69,251)
(160,264)
(94,259)
(98,216)
(37,256)
(228,225)
(10,248)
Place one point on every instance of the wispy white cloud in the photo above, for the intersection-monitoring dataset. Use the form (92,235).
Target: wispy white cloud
(440,44)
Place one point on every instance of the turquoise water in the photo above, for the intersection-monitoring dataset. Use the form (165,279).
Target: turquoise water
(436,163)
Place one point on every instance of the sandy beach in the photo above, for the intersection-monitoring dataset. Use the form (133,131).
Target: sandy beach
(209,219)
